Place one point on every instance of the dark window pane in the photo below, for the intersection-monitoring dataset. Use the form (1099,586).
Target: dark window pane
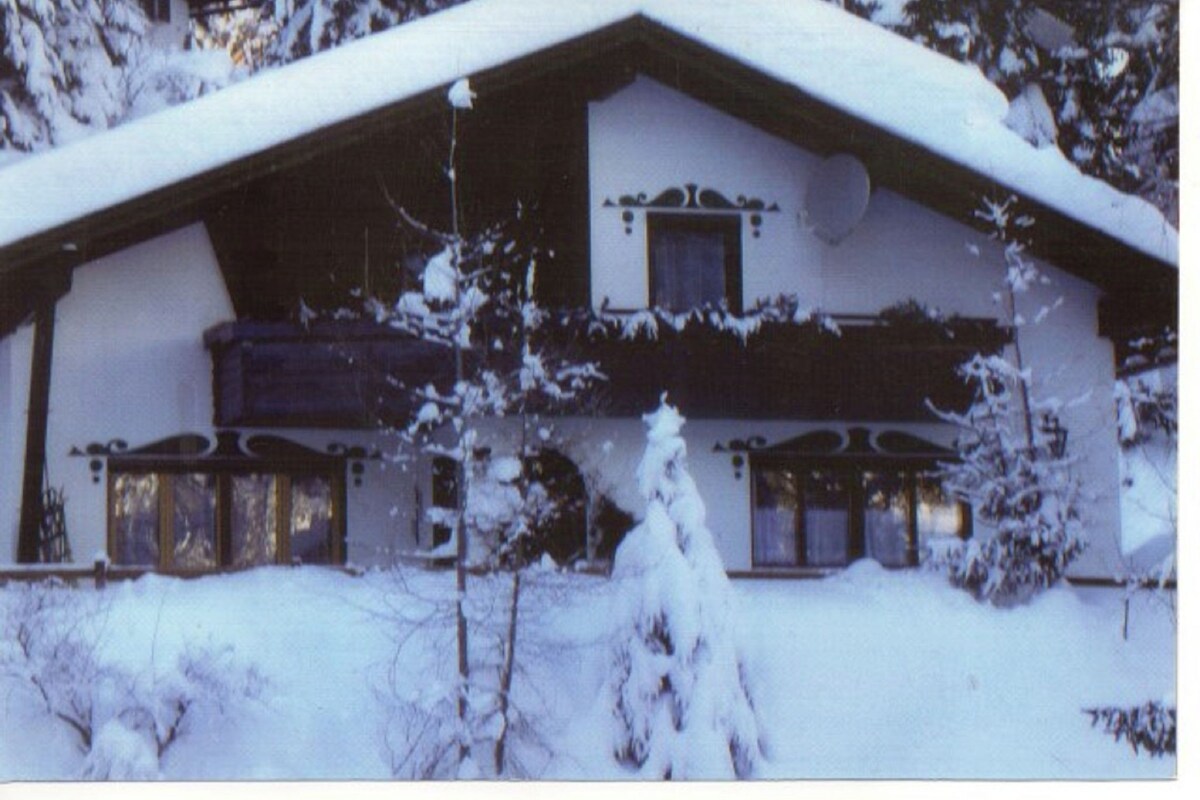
(938,515)
(195,521)
(776,506)
(312,520)
(885,518)
(826,519)
(253,518)
(135,519)
(689,268)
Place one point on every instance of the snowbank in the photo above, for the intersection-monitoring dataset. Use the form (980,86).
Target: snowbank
(871,673)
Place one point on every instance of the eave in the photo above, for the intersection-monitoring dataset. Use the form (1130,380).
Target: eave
(611,56)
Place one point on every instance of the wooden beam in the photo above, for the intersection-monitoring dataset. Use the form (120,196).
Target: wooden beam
(37,424)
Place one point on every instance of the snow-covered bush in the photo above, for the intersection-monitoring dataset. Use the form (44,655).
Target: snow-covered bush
(49,645)
(52,645)
(1023,494)
(681,704)
(1014,472)
(1149,728)
(1145,411)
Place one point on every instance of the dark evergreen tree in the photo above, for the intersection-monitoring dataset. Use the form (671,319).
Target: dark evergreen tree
(1117,95)
(1109,70)
(992,34)
(61,68)
(274,32)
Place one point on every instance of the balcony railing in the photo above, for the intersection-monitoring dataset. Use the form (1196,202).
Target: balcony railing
(351,374)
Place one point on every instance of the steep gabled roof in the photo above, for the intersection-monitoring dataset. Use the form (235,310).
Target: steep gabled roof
(810,54)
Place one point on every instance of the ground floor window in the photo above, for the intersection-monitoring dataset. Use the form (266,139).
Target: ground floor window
(815,515)
(198,520)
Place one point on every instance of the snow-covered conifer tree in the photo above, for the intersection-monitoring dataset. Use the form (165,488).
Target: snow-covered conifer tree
(71,68)
(1024,495)
(310,26)
(61,67)
(681,704)
(1107,71)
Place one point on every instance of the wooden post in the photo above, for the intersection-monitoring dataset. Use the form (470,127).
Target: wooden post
(35,433)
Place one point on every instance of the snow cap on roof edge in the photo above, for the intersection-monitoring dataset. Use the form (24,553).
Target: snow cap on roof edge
(883,78)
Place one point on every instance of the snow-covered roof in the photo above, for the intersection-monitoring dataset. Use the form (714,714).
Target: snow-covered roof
(835,57)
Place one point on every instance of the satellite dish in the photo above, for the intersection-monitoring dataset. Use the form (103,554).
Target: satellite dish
(836,199)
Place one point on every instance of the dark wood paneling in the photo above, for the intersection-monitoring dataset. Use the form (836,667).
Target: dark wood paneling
(343,375)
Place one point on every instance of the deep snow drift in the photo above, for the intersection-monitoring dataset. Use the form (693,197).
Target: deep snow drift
(867,674)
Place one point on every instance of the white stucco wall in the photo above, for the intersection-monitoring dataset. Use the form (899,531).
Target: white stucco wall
(130,363)
(648,138)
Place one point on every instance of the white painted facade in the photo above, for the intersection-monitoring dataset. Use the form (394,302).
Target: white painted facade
(130,363)
(648,138)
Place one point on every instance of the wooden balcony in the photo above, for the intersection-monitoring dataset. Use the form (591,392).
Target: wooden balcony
(353,374)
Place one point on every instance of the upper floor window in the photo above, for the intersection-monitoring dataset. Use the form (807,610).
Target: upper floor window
(695,260)
(157,10)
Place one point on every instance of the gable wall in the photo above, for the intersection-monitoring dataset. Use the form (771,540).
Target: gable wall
(647,138)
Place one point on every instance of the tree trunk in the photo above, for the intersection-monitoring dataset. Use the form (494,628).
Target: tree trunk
(506,672)
(460,559)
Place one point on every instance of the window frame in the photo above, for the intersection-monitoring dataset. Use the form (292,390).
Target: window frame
(283,473)
(852,472)
(728,225)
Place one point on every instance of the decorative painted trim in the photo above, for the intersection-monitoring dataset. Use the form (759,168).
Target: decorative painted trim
(737,447)
(692,198)
(856,443)
(355,454)
(96,452)
(232,448)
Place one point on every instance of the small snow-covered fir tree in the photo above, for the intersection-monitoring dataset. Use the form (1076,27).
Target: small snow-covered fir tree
(477,302)
(681,704)
(1016,476)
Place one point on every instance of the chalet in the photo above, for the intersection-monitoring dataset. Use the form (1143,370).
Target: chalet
(675,154)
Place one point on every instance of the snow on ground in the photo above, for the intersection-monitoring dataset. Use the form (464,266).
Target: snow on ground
(866,674)
(1148,477)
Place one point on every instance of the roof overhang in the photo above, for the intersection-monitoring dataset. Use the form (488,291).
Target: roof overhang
(612,55)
